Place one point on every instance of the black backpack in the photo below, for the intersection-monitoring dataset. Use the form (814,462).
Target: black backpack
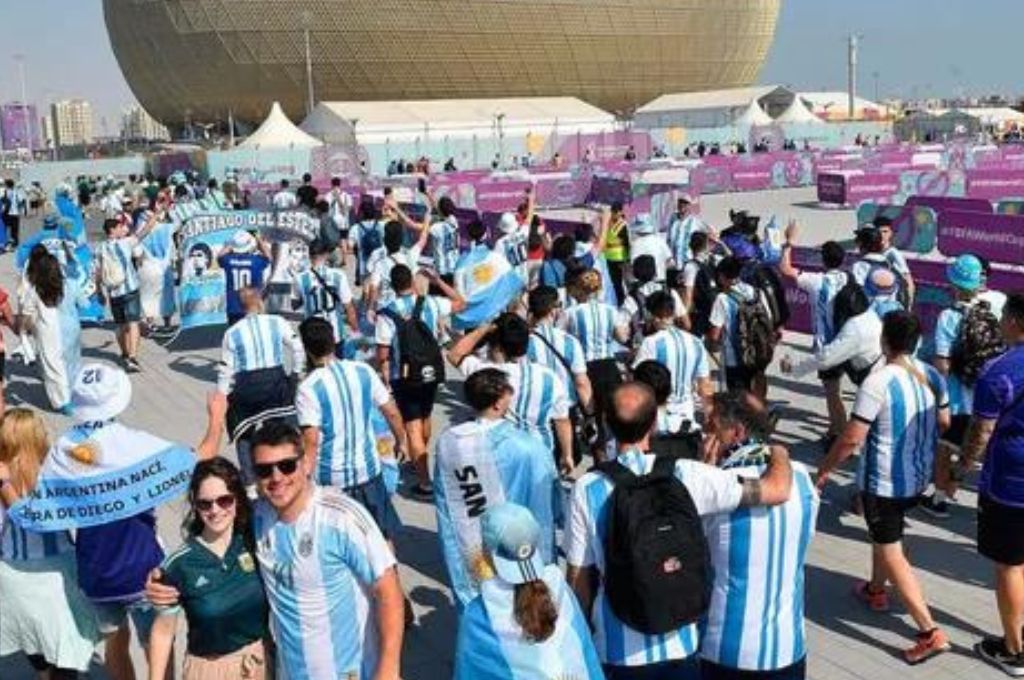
(420,360)
(765,279)
(657,574)
(705,290)
(754,334)
(683,444)
(850,301)
(978,340)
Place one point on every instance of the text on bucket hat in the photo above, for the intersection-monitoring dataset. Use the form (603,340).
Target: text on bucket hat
(511,537)
(966,272)
(100,392)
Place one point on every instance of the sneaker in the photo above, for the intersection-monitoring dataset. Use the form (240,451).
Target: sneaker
(131,364)
(928,644)
(422,492)
(937,509)
(876,601)
(993,649)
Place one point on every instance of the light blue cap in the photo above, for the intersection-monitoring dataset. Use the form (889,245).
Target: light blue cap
(966,273)
(511,536)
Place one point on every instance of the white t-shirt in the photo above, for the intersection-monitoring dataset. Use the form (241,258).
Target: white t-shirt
(723,315)
(380,271)
(655,246)
(285,200)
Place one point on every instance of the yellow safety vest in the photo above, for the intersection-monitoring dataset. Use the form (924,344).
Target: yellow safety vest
(615,245)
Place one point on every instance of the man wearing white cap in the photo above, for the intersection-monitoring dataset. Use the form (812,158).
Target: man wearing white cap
(245,263)
(647,241)
(512,243)
(114,555)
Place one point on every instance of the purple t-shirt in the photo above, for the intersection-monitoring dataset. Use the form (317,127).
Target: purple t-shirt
(998,387)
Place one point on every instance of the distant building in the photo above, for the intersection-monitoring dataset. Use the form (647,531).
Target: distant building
(49,136)
(19,126)
(72,122)
(138,125)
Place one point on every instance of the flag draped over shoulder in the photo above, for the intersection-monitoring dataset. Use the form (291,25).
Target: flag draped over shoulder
(96,475)
(491,645)
(489,285)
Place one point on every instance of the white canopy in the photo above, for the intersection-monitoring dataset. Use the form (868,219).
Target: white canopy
(754,115)
(278,132)
(798,113)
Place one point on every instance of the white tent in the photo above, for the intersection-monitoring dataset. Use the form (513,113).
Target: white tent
(799,113)
(278,132)
(754,115)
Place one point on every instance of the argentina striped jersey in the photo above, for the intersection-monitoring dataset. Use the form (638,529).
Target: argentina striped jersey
(339,399)
(435,310)
(756,618)
(19,545)
(326,300)
(685,358)
(594,323)
(567,346)
(821,290)
(899,452)
(257,342)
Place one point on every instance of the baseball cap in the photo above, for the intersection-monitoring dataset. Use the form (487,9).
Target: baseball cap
(243,242)
(642,224)
(880,283)
(966,272)
(508,223)
(100,392)
(511,536)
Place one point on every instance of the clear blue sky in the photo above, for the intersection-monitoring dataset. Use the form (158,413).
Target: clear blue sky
(918,47)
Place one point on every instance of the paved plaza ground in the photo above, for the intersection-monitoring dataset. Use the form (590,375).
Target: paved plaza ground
(846,641)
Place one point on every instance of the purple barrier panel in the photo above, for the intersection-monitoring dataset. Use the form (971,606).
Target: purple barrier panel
(605,146)
(998,238)
(940,203)
(608,190)
(562,192)
(993,185)
(881,187)
(931,182)
(501,196)
(711,178)
(832,188)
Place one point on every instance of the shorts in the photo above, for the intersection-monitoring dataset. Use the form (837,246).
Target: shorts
(126,308)
(885,516)
(373,495)
(3,367)
(1000,532)
(957,431)
(677,669)
(248,663)
(739,378)
(415,402)
(834,373)
(712,671)
(111,616)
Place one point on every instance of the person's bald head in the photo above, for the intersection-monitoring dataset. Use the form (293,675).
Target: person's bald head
(633,412)
(251,300)
(881,283)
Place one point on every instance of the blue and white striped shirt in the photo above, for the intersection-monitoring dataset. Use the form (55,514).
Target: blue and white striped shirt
(712,490)
(122,250)
(319,301)
(257,342)
(594,323)
(756,618)
(678,236)
(435,310)
(821,290)
(18,545)
(685,358)
(444,240)
(339,399)
(319,572)
(569,347)
(723,315)
(902,412)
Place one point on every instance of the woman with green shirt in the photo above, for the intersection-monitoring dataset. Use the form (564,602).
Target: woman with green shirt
(221,592)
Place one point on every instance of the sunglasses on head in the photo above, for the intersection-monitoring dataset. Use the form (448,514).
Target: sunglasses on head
(225,502)
(288,466)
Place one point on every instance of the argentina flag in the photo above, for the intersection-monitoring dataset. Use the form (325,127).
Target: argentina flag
(488,283)
(97,474)
(491,645)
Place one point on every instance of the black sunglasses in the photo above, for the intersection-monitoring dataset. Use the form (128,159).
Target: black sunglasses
(288,466)
(225,502)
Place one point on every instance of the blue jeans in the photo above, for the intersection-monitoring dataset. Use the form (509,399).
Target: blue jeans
(680,669)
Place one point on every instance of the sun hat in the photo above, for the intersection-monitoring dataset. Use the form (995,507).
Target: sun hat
(511,536)
(508,223)
(100,392)
(966,273)
(243,242)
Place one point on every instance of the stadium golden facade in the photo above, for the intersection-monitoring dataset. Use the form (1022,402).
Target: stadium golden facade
(198,60)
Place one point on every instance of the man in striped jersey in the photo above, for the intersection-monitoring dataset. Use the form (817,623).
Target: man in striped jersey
(415,400)
(755,625)
(258,355)
(682,353)
(897,416)
(335,403)
(723,331)
(821,289)
(627,653)
(682,227)
(541,402)
(323,291)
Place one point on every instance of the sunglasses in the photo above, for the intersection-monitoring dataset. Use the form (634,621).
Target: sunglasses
(225,502)
(288,466)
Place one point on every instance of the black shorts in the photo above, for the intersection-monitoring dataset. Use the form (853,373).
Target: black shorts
(126,308)
(343,233)
(885,516)
(3,367)
(739,378)
(957,431)
(1000,532)
(834,373)
(373,496)
(712,671)
(415,402)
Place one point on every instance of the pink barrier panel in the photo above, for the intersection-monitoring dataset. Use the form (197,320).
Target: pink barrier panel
(563,192)
(994,185)
(941,203)
(998,238)
(500,196)
(880,187)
